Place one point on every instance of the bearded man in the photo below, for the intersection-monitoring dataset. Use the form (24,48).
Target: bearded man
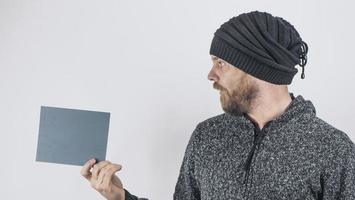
(268,144)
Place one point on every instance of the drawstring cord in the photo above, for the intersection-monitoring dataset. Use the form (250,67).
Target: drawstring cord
(303,57)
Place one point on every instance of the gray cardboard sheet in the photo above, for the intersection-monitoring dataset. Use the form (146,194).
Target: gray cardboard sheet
(70,136)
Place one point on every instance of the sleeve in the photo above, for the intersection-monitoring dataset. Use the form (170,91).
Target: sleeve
(338,181)
(187,187)
(129,196)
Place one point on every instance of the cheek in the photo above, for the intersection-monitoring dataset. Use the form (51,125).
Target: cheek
(222,98)
(224,95)
(230,84)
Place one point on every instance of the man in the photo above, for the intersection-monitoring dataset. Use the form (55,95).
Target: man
(268,144)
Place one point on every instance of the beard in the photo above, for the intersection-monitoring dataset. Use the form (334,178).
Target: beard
(239,99)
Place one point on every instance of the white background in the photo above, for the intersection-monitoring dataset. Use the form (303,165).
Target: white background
(145,62)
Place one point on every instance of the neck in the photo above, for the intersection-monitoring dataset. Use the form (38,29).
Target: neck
(268,106)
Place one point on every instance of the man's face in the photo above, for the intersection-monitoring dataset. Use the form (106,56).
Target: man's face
(237,89)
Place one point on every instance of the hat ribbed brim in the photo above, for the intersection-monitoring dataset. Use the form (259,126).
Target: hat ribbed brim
(249,64)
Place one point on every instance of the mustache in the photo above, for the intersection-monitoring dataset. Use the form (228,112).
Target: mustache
(218,86)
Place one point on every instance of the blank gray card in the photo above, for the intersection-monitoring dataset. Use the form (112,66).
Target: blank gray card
(69,136)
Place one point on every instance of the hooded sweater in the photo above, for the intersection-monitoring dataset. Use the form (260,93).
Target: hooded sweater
(297,155)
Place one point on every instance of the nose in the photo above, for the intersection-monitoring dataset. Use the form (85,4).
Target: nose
(212,76)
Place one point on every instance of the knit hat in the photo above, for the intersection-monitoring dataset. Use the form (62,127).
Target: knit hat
(262,45)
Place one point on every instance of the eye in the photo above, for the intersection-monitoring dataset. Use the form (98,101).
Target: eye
(221,63)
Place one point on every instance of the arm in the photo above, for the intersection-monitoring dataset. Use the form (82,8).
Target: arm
(338,181)
(129,196)
(187,186)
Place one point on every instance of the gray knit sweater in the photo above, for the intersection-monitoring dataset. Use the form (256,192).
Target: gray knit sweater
(295,156)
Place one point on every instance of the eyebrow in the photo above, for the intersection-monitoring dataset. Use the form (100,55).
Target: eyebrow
(214,58)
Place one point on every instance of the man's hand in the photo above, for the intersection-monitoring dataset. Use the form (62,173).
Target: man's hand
(103,179)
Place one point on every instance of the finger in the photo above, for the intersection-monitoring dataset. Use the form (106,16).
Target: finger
(85,170)
(103,172)
(97,167)
(108,175)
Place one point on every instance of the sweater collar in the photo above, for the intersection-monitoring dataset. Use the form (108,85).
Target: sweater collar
(298,107)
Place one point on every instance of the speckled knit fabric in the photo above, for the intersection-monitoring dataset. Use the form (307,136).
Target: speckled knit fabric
(295,156)
(129,196)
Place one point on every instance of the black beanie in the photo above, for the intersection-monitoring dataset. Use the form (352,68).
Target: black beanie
(261,45)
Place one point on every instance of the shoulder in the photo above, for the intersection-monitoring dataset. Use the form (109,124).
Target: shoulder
(335,142)
(330,133)
(205,126)
(212,121)
(215,126)
(219,121)
(338,150)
